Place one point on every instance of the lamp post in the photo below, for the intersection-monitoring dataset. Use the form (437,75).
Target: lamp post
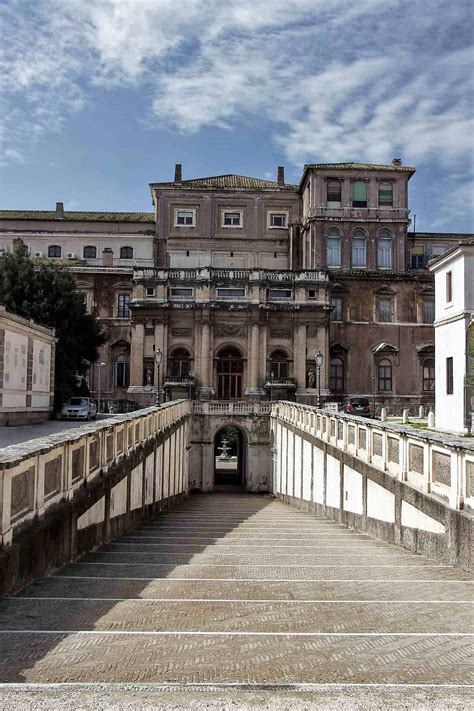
(101,365)
(272,378)
(318,360)
(158,359)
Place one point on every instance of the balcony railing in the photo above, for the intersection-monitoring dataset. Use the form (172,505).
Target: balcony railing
(179,380)
(280,382)
(285,276)
(232,407)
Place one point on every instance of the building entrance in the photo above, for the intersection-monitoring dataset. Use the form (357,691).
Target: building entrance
(229,457)
(230,369)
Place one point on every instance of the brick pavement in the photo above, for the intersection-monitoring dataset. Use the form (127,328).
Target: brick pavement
(233,588)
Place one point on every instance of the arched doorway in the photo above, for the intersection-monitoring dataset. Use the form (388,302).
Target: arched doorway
(229,457)
(230,370)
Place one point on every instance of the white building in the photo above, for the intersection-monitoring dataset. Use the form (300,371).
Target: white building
(454,324)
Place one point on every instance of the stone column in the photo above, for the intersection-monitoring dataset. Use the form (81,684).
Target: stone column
(300,357)
(136,355)
(205,390)
(255,387)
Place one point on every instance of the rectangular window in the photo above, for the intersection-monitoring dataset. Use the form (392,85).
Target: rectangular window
(333,192)
(123,301)
(359,193)
(181,291)
(185,218)
(428,311)
(226,293)
(312,293)
(150,291)
(449,287)
(336,313)
(449,376)
(122,374)
(385,310)
(278,219)
(231,219)
(279,294)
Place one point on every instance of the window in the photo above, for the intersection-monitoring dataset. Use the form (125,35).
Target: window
(90,252)
(180,363)
(336,375)
(333,193)
(385,195)
(181,291)
(428,311)
(279,366)
(231,219)
(122,374)
(230,292)
(429,375)
(336,313)
(185,218)
(312,293)
(333,248)
(54,251)
(278,219)
(359,193)
(358,248)
(279,294)
(385,310)
(150,291)
(449,376)
(449,287)
(384,250)
(123,301)
(126,252)
(385,375)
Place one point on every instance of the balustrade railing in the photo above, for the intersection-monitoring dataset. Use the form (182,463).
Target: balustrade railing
(232,407)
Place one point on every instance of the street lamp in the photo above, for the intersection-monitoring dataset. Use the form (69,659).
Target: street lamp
(318,360)
(158,359)
(101,365)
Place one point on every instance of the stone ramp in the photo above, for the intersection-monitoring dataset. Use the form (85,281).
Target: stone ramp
(242,589)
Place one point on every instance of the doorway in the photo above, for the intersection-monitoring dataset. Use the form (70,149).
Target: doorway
(229,459)
(230,369)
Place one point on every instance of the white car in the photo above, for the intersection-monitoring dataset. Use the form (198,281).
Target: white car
(79,408)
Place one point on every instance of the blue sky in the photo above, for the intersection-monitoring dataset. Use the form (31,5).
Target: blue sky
(100,98)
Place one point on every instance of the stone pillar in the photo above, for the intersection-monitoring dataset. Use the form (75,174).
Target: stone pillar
(206,390)
(300,356)
(255,387)
(136,355)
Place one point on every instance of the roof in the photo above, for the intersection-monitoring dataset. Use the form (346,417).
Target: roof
(224,182)
(390,168)
(77,216)
(467,244)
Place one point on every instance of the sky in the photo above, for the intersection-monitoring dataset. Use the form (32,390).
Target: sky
(100,98)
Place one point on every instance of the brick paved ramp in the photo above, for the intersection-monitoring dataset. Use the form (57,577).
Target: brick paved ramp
(234,588)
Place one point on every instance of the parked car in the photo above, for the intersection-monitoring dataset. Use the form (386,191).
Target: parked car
(357,406)
(79,408)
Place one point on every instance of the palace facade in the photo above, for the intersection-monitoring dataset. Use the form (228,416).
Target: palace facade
(239,282)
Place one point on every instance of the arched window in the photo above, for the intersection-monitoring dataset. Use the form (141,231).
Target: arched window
(336,375)
(385,195)
(90,252)
(385,375)
(122,372)
(429,375)
(279,365)
(54,251)
(180,363)
(358,248)
(333,248)
(384,250)
(126,252)
(359,193)
(333,193)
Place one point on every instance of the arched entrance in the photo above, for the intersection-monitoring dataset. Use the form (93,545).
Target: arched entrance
(229,457)
(230,370)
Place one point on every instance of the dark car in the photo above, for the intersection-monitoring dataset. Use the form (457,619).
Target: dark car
(357,406)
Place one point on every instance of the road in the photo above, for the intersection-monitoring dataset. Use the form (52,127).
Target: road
(16,435)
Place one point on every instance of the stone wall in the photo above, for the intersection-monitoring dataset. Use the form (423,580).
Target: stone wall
(411,489)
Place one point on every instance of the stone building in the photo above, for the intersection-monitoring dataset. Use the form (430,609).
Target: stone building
(240,281)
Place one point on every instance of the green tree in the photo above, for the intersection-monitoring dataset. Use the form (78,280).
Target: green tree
(47,294)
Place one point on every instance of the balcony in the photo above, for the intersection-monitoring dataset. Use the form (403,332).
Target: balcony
(280,383)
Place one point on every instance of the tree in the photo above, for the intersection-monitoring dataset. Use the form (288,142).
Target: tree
(48,294)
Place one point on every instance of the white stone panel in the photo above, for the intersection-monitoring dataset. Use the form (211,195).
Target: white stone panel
(283,467)
(15,361)
(290,465)
(318,475)
(380,503)
(333,482)
(118,498)
(307,474)
(94,515)
(136,488)
(149,472)
(352,497)
(166,469)
(41,366)
(158,473)
(14,399)
(298,459)
(414,518)
(40,401)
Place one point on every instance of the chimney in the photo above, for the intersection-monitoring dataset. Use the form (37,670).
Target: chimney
(178,175)
(397,161)
(108,257)
(59,211)
(281,175)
